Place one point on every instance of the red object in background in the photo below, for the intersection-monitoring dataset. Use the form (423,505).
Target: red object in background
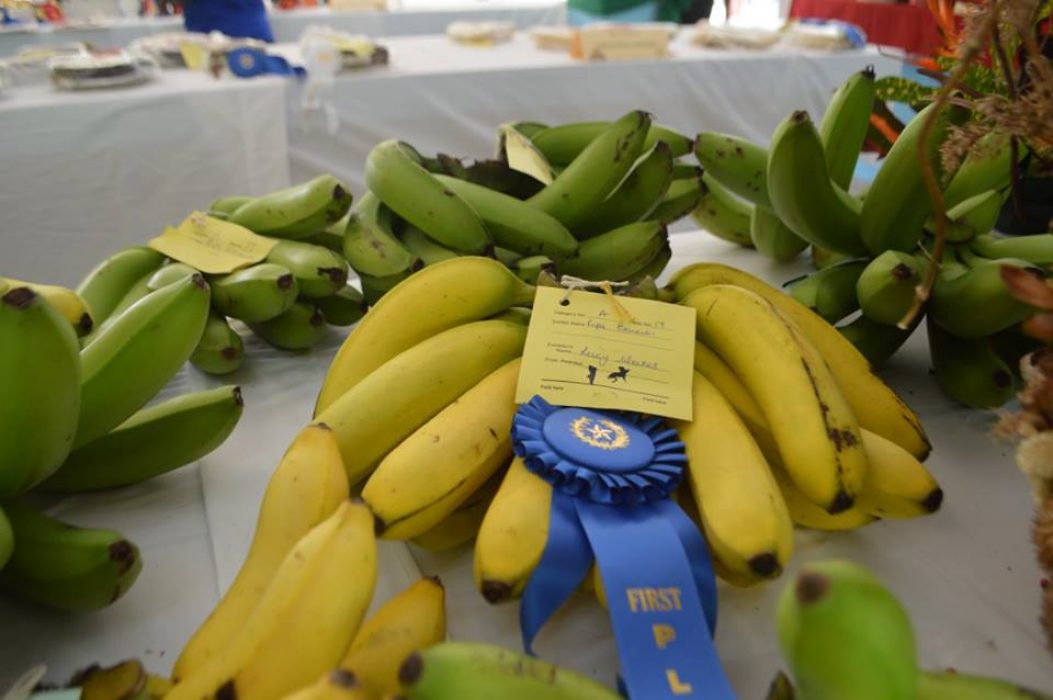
(909,27)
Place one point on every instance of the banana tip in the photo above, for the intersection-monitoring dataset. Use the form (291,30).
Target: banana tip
(86,323)
(800,116)
(842,502)
(239,400)
(343,678)
(811,587)
(227,691)
(437,581)
(869,72)
(285,281)
(122,553)
(495,591)
(933,501)
(765,565)
(20,297)
(411,669)
(199,281)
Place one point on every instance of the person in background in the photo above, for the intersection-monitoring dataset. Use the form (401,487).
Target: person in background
(236,18)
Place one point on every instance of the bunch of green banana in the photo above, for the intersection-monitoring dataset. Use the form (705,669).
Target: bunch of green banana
(295,212)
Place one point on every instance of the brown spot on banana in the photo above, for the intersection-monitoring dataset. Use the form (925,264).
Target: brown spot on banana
(811,587)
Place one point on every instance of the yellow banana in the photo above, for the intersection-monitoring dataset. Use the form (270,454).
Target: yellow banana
(378,413)
(816,433)
(513,534)
(807,514)
(877,407)
(412,621)
(463,445)
(435,299)
(743,515)
(306,487)
(66,301)
(897,484)
(462,525)
(335,685)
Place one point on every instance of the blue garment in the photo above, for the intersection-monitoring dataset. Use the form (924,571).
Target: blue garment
(237,18)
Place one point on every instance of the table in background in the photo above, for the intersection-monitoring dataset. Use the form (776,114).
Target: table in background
(87,172)
(444,97)
(967,574)
(909,27)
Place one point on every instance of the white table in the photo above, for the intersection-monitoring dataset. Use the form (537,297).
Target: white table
(445,97)
(84,173)
(966,574)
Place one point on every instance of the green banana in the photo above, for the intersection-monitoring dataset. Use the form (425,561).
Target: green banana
(618,254)
(319,272)
(134,357)
(223,207)
(369,244)
(845,635)
(414,194)
(508,258)
(152,442)
(682,198)
(822,257)
(1036,249)
(562,144)
(802,193)
(968,370)
(7,539)
(651,271)
(514,225)
(844,125)
(299,327)
(332,236)
(736,163)
(344,308)
(220,350)
(169,274)
(876,341)
(108,283)
(255,294)
(771,237)
(472,671)
(951,685)
(989,166)
(830,292)
(40,375)
(373,288)
(887,287)
(781,688)
(898,202)
(65,567)
(297,211)
(973,302)
(529,268)
(723,214)
(637,195)
(583,186)
(971,217)
(423,247)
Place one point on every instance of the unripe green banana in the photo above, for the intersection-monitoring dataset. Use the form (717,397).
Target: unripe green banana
(830,292)
(651,271)
(508,258)
(255,294)
(1036,249)
(823,257)
(297,211)
(65,567)
(423,247)
(319,272)
(803,195)
(152,442)
(373,288)
(332,236)
(562,144)
(529,268)
(951,685)
(104,287)
(637,195)
(973,302)
(845,123)
(169,274)
(40,384)
(514,224)
(876,341)
(586,182)
(618,254)
(971,217)
(223,207)
(135,356)
(344,308)
(473,671)
(220,350)
(771,237)
(299,327)
(736,163)
(7,539)
(845,636)
(968,370)
(897,202)
(681,198)
(989,166)
(887,287)
(369,243)
(781,688)
(404,186)
(723,214)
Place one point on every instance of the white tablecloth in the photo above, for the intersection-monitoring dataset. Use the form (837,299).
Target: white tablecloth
(966,574)
(444,97)
(84,173)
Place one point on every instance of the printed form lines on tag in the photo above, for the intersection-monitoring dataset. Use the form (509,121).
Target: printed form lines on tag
(607,386)
(594,336)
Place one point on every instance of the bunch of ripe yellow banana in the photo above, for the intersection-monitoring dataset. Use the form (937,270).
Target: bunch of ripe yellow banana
(874,250)
(74,420)
(594,202)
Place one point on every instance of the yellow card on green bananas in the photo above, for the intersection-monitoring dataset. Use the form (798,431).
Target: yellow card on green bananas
(212,245)
(604,351)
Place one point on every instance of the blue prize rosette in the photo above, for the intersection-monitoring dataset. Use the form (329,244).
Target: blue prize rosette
(612,474)
(248,63)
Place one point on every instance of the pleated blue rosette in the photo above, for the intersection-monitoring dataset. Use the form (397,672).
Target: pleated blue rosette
(248,62)
(612,475)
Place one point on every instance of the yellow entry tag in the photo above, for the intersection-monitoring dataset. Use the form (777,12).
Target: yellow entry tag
(194,56)
(211,245)
(523,157)
(589,352)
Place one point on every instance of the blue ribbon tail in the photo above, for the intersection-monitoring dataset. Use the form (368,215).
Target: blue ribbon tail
(697,555)
(564,564)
